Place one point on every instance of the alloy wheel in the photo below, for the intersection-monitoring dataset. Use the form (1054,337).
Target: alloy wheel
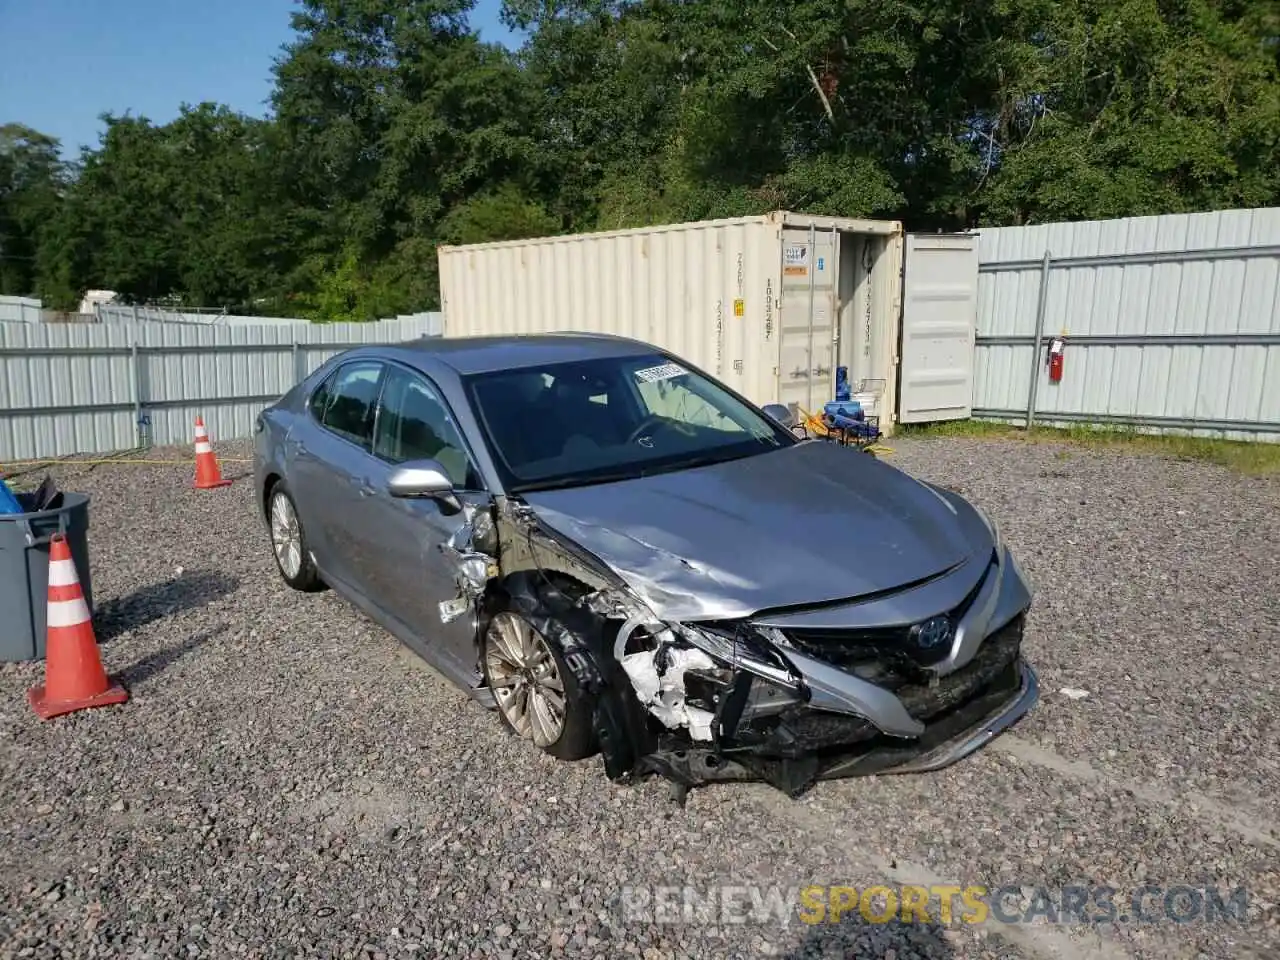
(525,679)
(285,536)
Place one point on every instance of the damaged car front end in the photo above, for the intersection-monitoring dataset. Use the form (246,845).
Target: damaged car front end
(788,697)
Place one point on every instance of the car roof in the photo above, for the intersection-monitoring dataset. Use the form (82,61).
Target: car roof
(483,354)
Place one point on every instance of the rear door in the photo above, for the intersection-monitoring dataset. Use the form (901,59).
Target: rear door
(330,459)
(939,321)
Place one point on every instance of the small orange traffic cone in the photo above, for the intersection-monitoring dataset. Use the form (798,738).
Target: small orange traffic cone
(73,677)
(208,474)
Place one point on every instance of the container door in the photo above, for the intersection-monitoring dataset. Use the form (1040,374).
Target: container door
(806,368)
(939,320)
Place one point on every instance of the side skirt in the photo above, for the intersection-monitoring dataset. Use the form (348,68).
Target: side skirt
(470,681)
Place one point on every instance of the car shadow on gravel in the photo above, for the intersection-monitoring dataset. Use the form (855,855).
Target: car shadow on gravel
(146,668)
(854,936)
(146,604)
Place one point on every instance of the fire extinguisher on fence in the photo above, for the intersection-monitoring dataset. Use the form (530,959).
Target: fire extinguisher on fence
(1056,348)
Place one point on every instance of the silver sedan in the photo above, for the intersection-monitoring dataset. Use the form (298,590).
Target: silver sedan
(624,557)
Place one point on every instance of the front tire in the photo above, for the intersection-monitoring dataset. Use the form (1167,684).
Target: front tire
(289,542)
(538,696)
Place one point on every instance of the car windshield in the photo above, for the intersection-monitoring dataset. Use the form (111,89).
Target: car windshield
(612,418)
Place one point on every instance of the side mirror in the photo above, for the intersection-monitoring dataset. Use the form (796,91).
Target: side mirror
(423,479)
(781,413)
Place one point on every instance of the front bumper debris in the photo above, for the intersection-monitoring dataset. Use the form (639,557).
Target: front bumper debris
(800,745)
(1001,714)
(861,701)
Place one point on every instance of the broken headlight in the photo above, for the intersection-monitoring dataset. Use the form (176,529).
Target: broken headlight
(740,651)
(681,673)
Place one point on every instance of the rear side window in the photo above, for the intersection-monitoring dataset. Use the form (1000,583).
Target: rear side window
(320,399)
(344,403)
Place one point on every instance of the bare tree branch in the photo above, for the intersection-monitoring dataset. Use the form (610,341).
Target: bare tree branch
(813,77)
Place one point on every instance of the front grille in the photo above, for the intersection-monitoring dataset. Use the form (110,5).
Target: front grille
(945,708)
(885,656)
(955,704)
(925,701)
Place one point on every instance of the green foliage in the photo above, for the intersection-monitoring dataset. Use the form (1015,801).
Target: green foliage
(395,130)
(32,184)
(504,213)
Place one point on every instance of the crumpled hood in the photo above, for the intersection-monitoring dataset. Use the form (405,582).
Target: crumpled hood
(806,524)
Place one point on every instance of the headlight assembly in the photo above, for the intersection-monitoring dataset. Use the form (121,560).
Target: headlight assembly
(739,653)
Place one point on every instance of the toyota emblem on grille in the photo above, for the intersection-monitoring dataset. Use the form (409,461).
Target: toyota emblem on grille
(932,633)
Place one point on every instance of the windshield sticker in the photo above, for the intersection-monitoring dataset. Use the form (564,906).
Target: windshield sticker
(664,372)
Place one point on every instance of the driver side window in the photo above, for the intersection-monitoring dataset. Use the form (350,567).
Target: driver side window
(414,424)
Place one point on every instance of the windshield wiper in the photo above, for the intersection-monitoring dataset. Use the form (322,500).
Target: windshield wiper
(705,460)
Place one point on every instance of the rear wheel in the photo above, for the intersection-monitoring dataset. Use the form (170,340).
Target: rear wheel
(289,542)
(537,695)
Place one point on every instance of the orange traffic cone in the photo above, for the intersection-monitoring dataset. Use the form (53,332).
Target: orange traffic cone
(73,675)
(208,473)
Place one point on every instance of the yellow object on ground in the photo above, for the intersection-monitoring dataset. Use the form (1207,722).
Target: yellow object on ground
(814,423)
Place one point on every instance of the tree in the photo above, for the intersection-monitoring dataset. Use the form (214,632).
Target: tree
(1132,108)
(32,184)
(394,113)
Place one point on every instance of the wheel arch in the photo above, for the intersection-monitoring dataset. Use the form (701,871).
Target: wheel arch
(549,600)
(269,483)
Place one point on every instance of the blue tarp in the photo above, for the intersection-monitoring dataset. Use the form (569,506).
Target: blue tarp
(8,502)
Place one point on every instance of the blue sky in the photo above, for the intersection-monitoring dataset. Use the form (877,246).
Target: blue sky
(67,61)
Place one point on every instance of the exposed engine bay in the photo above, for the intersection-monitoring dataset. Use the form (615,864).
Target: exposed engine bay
(703,688)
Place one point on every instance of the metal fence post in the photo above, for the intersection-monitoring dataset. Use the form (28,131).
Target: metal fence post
(135,369)
(296,357)
(1041,303)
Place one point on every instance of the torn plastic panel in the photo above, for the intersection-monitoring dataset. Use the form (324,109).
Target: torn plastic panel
(676,671)
(658,676)
(656,688)
(470,550)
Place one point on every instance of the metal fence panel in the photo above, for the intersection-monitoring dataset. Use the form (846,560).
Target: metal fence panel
(19,310)
(116,313)
(1169,321)
(125,313)
(99,388)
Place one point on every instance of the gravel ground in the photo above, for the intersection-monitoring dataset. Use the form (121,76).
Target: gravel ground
(289,780)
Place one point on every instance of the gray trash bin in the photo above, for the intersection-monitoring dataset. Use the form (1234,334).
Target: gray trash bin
(24,571)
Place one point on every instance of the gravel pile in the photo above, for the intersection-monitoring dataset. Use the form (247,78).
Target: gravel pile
(289,780)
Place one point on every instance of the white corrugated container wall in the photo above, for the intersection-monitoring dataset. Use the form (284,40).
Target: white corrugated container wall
(769,304)
(20,310)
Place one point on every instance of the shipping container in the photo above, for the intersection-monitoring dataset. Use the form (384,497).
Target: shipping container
(770,304)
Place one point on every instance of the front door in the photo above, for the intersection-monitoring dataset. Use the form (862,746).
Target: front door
(412,576)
